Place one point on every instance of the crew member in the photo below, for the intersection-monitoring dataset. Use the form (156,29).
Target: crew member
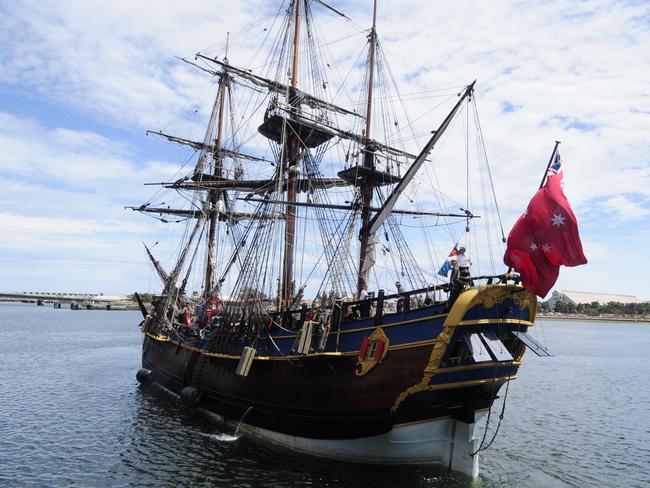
(456,283)
(464,263)
(403,303)
(364,306)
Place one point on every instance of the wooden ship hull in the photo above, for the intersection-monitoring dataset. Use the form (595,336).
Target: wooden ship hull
(414,401)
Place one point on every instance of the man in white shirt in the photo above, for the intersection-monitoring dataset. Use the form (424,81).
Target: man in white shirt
(364,306)
(363,294)
(464,262)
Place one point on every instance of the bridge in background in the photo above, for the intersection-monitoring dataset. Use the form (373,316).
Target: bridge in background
(83,300)
(46,296)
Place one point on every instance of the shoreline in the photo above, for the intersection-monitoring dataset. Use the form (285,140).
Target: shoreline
(544,316)
(574,317)
(121,307)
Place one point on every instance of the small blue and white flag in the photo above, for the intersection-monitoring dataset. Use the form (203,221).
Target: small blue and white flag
(446,266)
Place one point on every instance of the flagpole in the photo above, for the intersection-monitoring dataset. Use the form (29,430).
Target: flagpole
(557,143)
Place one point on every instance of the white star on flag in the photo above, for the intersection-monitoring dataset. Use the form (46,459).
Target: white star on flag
(533,246)
(546,247)
(558,220)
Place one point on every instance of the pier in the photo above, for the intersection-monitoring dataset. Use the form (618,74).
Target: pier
(75,301)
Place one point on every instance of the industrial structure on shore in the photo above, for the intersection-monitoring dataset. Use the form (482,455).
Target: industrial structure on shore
(586,297)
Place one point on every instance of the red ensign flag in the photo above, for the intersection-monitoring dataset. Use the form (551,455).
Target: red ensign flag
(545,236)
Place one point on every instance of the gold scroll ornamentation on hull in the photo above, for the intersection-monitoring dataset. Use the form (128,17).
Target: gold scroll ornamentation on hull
(487,296)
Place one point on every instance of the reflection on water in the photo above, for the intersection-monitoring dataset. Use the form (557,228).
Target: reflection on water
(73,415)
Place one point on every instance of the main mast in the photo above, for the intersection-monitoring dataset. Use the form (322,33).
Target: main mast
(367,186)
(214,195)
(292,157)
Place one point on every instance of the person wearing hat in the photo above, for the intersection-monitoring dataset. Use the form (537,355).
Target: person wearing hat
(403,303)
(464,262)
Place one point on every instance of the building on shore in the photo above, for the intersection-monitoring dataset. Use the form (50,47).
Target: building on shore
(108,302)
(586,297)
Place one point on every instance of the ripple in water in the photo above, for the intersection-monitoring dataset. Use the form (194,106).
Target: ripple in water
(222,437)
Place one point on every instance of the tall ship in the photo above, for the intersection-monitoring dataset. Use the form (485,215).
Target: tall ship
(305,291)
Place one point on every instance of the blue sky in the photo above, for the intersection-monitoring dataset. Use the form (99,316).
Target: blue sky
(80,82)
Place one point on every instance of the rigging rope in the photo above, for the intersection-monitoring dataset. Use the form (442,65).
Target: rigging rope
(482,446)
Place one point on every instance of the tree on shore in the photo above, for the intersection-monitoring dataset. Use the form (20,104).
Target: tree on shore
(145,297)
(595,309)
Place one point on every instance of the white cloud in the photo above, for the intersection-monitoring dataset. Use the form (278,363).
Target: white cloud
(560,65)
(624,208)
(64,157)
(62,206)
(10,224)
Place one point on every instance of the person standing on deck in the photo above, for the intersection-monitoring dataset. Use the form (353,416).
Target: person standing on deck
(456,283)
(403,304)
(364,306)
(464,263)
(363,294)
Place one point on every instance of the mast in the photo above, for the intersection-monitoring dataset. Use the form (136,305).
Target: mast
(367,185)
(296,44)
(292,152)
(215,194)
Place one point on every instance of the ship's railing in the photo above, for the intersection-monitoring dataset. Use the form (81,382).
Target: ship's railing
(380,304)
(331,316)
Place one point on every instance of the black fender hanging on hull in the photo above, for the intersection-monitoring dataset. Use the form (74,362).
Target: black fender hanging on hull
(144,376)
(191,396)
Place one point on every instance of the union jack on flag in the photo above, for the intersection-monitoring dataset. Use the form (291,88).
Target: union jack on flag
(556,167)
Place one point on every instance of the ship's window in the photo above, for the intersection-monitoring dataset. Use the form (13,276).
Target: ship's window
(532,343)
(513,345)
(477,348)
(495,346)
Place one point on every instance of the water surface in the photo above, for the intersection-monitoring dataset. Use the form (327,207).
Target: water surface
(73,415)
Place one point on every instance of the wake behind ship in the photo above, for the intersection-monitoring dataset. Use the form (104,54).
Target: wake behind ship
(305,298)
